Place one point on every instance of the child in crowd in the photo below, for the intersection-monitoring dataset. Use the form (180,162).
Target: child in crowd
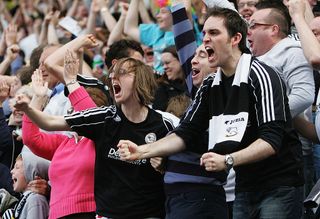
(31,205)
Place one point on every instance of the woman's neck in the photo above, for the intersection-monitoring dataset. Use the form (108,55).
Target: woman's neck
(135,113)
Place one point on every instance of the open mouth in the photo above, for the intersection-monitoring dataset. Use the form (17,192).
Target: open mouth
(116,88)
(210,52)
(195,71)
(247,16)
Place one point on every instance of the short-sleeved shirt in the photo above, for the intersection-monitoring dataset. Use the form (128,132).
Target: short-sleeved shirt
(123,189)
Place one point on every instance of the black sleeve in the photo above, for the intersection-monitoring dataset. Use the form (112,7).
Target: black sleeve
(196,120)
(273,133)
(91,123)
(269,93)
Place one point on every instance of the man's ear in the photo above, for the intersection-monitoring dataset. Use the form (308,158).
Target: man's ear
(276,29)
(235,40)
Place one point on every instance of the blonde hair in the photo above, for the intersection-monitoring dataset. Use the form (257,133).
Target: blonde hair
(144,81)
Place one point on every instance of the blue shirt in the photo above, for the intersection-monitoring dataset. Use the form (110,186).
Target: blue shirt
(158,40)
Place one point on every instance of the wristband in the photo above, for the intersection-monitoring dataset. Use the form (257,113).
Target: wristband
(73,81)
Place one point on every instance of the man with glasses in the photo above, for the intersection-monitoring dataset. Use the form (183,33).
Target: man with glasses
(268,37)
(268,32)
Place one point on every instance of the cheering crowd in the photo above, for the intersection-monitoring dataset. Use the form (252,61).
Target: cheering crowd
(151,109)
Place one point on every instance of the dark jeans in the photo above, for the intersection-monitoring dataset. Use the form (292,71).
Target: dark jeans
(199,204)
(280,203)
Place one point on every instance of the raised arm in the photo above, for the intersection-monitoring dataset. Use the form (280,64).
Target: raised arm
(41,119)
(73,9)
(185,41)
(52,34)
(55,61)
(309,42)
(40,143)
(117,32)
(94,10)
(131,26)
(219,3)
(11,55)
(145,17)
(107,17)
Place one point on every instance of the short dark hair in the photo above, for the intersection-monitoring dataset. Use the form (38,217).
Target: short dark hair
(35,56)
(233,23)
(279,14)
(121,49)
(24,74)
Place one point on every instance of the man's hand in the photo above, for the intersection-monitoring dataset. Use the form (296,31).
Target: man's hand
(12,52)
(296,7)
(87,41)
(213,162)
(128,150)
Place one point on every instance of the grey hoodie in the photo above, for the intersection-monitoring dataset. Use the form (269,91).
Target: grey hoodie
(36,205)
(287,58)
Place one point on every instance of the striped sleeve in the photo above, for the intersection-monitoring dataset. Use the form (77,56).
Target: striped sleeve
(185,41)
(91,123)
(269,93)
(195,121)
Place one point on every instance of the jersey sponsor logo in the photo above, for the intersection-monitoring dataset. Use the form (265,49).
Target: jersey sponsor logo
(230,122)
(151,137)
(114,154)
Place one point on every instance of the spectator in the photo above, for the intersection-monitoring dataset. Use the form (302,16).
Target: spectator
(31,205)
(157,36)
(70,197)
(265,162)
(132,84)
(268,37)
(172,83)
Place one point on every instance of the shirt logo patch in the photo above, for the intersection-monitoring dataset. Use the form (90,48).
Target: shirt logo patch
(231,131)
(151,137)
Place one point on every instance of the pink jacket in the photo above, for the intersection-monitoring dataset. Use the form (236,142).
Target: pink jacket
(71,172)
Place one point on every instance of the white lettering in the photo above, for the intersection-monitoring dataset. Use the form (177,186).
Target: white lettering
(114,154)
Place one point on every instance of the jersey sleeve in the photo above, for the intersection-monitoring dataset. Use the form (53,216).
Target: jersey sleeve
(91,123)
(196,119)
(269,94)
